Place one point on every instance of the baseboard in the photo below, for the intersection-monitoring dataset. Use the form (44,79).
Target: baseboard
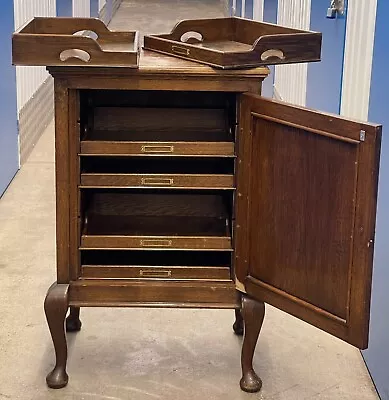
(115,5)
(34,118)
(104,12)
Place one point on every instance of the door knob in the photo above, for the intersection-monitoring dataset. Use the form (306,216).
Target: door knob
(336,8)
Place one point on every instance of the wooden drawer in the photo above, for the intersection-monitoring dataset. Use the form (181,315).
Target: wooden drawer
(151,265)
(158,219)
(154,272)
(158,181)
(156,242)
(153,149)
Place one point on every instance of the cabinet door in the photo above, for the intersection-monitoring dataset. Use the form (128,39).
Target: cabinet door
(305,214)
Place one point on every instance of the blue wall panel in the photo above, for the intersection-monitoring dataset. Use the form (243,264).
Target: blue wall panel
(94,8)
(64,8)
(377,355)
(9,152)
(269,15)
(324,85)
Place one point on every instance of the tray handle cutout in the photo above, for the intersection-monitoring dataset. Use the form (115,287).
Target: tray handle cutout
(272,53)
(75,53)
(157,149)
(87,33)
(180,50)
(156,243)
(192,37)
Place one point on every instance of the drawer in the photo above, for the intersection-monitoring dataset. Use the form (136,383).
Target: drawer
(109,144)
(154,180)
(151,265)
(151,272)
(156,242)
(132,172)
(158,219)
(158,123)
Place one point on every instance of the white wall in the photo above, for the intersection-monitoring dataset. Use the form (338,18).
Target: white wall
(290,81)
(28,79)
(258,6)
(358,58)
(81,8)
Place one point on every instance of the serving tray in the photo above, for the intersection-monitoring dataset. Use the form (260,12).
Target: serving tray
(234,42)
(74,41)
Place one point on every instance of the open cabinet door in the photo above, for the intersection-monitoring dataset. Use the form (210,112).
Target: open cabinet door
(305,214)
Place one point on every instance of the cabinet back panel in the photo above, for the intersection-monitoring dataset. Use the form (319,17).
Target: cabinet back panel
(158,98)
(157,203)
(159,119)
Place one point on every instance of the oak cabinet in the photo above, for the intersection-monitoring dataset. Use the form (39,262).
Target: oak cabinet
(180,186)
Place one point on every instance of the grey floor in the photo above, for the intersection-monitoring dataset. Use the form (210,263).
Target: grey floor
(138,353)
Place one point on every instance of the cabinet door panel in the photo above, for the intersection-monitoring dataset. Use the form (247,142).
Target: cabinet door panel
(306,214)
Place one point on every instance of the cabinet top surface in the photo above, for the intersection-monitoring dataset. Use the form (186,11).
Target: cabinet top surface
(154,63)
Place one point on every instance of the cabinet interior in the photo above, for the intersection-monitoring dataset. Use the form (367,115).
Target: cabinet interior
(156,213)
(156,133)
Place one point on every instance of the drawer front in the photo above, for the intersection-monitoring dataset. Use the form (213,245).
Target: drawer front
(155,242)
(220,149)
(210,181)
(155,272)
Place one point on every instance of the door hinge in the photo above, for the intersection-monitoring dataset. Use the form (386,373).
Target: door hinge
(362,136)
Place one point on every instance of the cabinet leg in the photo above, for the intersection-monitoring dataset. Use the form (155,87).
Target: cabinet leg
(253,313)
(56,306)
(73,323)
(238,324)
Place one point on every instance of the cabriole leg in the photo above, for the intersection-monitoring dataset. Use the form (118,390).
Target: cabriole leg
(73,323)
(253,313)
(56,306)
(238,324)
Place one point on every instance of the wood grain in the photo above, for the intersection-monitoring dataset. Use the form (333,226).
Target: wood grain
(103,293)
(308,192)
(230,43)
(44,40)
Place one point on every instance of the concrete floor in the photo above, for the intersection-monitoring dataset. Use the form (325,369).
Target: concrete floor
(140,353)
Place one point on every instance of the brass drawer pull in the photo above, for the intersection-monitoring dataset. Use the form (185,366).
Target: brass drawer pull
(156,243)
(155,273)
(157,149)
(157,181)
(180,50)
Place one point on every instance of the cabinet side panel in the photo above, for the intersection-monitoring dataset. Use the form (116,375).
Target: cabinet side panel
(74,181)
(61,96)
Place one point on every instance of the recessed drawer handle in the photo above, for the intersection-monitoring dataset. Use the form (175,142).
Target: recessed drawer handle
(157,181)
(157,149)
(180,50)
(156,243)
(155,273)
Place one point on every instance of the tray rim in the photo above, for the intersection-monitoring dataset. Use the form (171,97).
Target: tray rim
(220,53)
(82,42)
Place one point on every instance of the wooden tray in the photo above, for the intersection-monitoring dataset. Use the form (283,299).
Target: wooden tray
(114,220)
(236,43)
(152,181)
(171,265)
(74,41)
(149,173)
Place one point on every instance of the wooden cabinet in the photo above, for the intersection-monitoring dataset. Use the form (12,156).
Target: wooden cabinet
(180,186)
